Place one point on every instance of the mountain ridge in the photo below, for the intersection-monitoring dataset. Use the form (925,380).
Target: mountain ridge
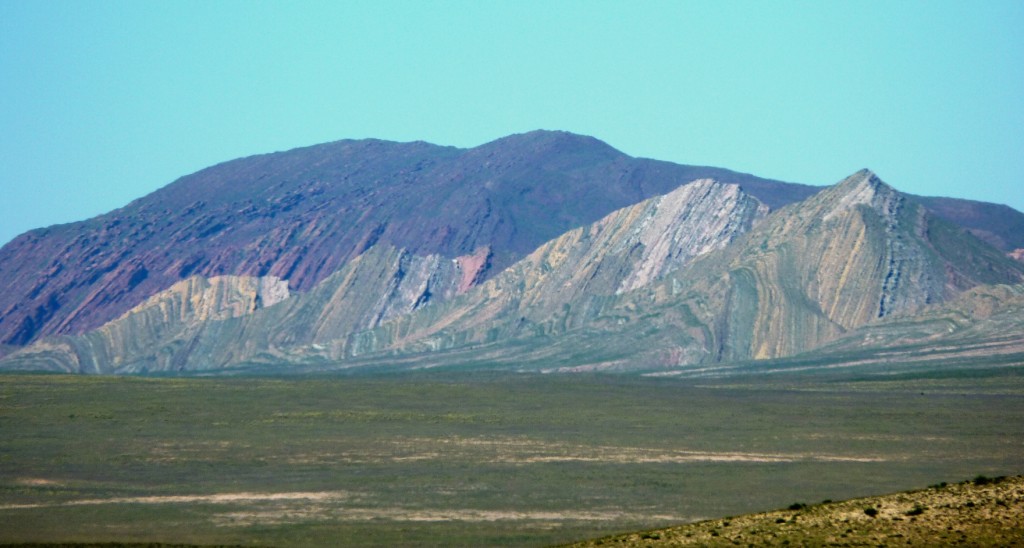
(700,275)
(417,224)
(301,214)
(751,301)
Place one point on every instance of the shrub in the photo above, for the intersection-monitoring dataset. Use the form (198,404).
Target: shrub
(797,506)
(871,511)
(917,510)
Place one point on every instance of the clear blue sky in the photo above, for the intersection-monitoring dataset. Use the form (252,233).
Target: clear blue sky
(103,102)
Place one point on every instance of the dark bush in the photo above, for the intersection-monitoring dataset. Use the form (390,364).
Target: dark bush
(917,510)
(870,511)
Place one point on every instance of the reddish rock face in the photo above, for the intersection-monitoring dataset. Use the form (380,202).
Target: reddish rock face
(473,267)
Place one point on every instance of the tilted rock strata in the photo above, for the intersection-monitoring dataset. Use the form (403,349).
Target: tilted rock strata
(564,282)
(848,256)
(209,324)
(982,322)
(176,315)
(845,257)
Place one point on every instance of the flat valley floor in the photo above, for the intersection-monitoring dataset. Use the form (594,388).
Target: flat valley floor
(473,459)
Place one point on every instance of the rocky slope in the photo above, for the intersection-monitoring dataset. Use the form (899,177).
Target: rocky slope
(985,512)
(175,330)
(301,215)
(997,224)
(979,330)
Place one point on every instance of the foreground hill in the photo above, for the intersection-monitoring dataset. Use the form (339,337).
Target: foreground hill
(985,512)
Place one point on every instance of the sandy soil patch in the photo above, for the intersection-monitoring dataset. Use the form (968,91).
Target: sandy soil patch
(37,482)
(217,498)
(528,451)
(279,516)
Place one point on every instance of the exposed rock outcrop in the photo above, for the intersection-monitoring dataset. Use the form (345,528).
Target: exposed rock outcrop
(564,282)
(210,324)
(852,254)
(137,341)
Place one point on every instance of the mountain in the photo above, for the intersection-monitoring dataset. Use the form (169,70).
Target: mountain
(301,215)
(698,276)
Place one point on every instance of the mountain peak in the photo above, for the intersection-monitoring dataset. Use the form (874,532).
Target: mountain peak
(862,178)
(862,188)
(549,141)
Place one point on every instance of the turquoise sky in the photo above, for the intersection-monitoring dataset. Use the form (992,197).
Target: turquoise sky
(103,102)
